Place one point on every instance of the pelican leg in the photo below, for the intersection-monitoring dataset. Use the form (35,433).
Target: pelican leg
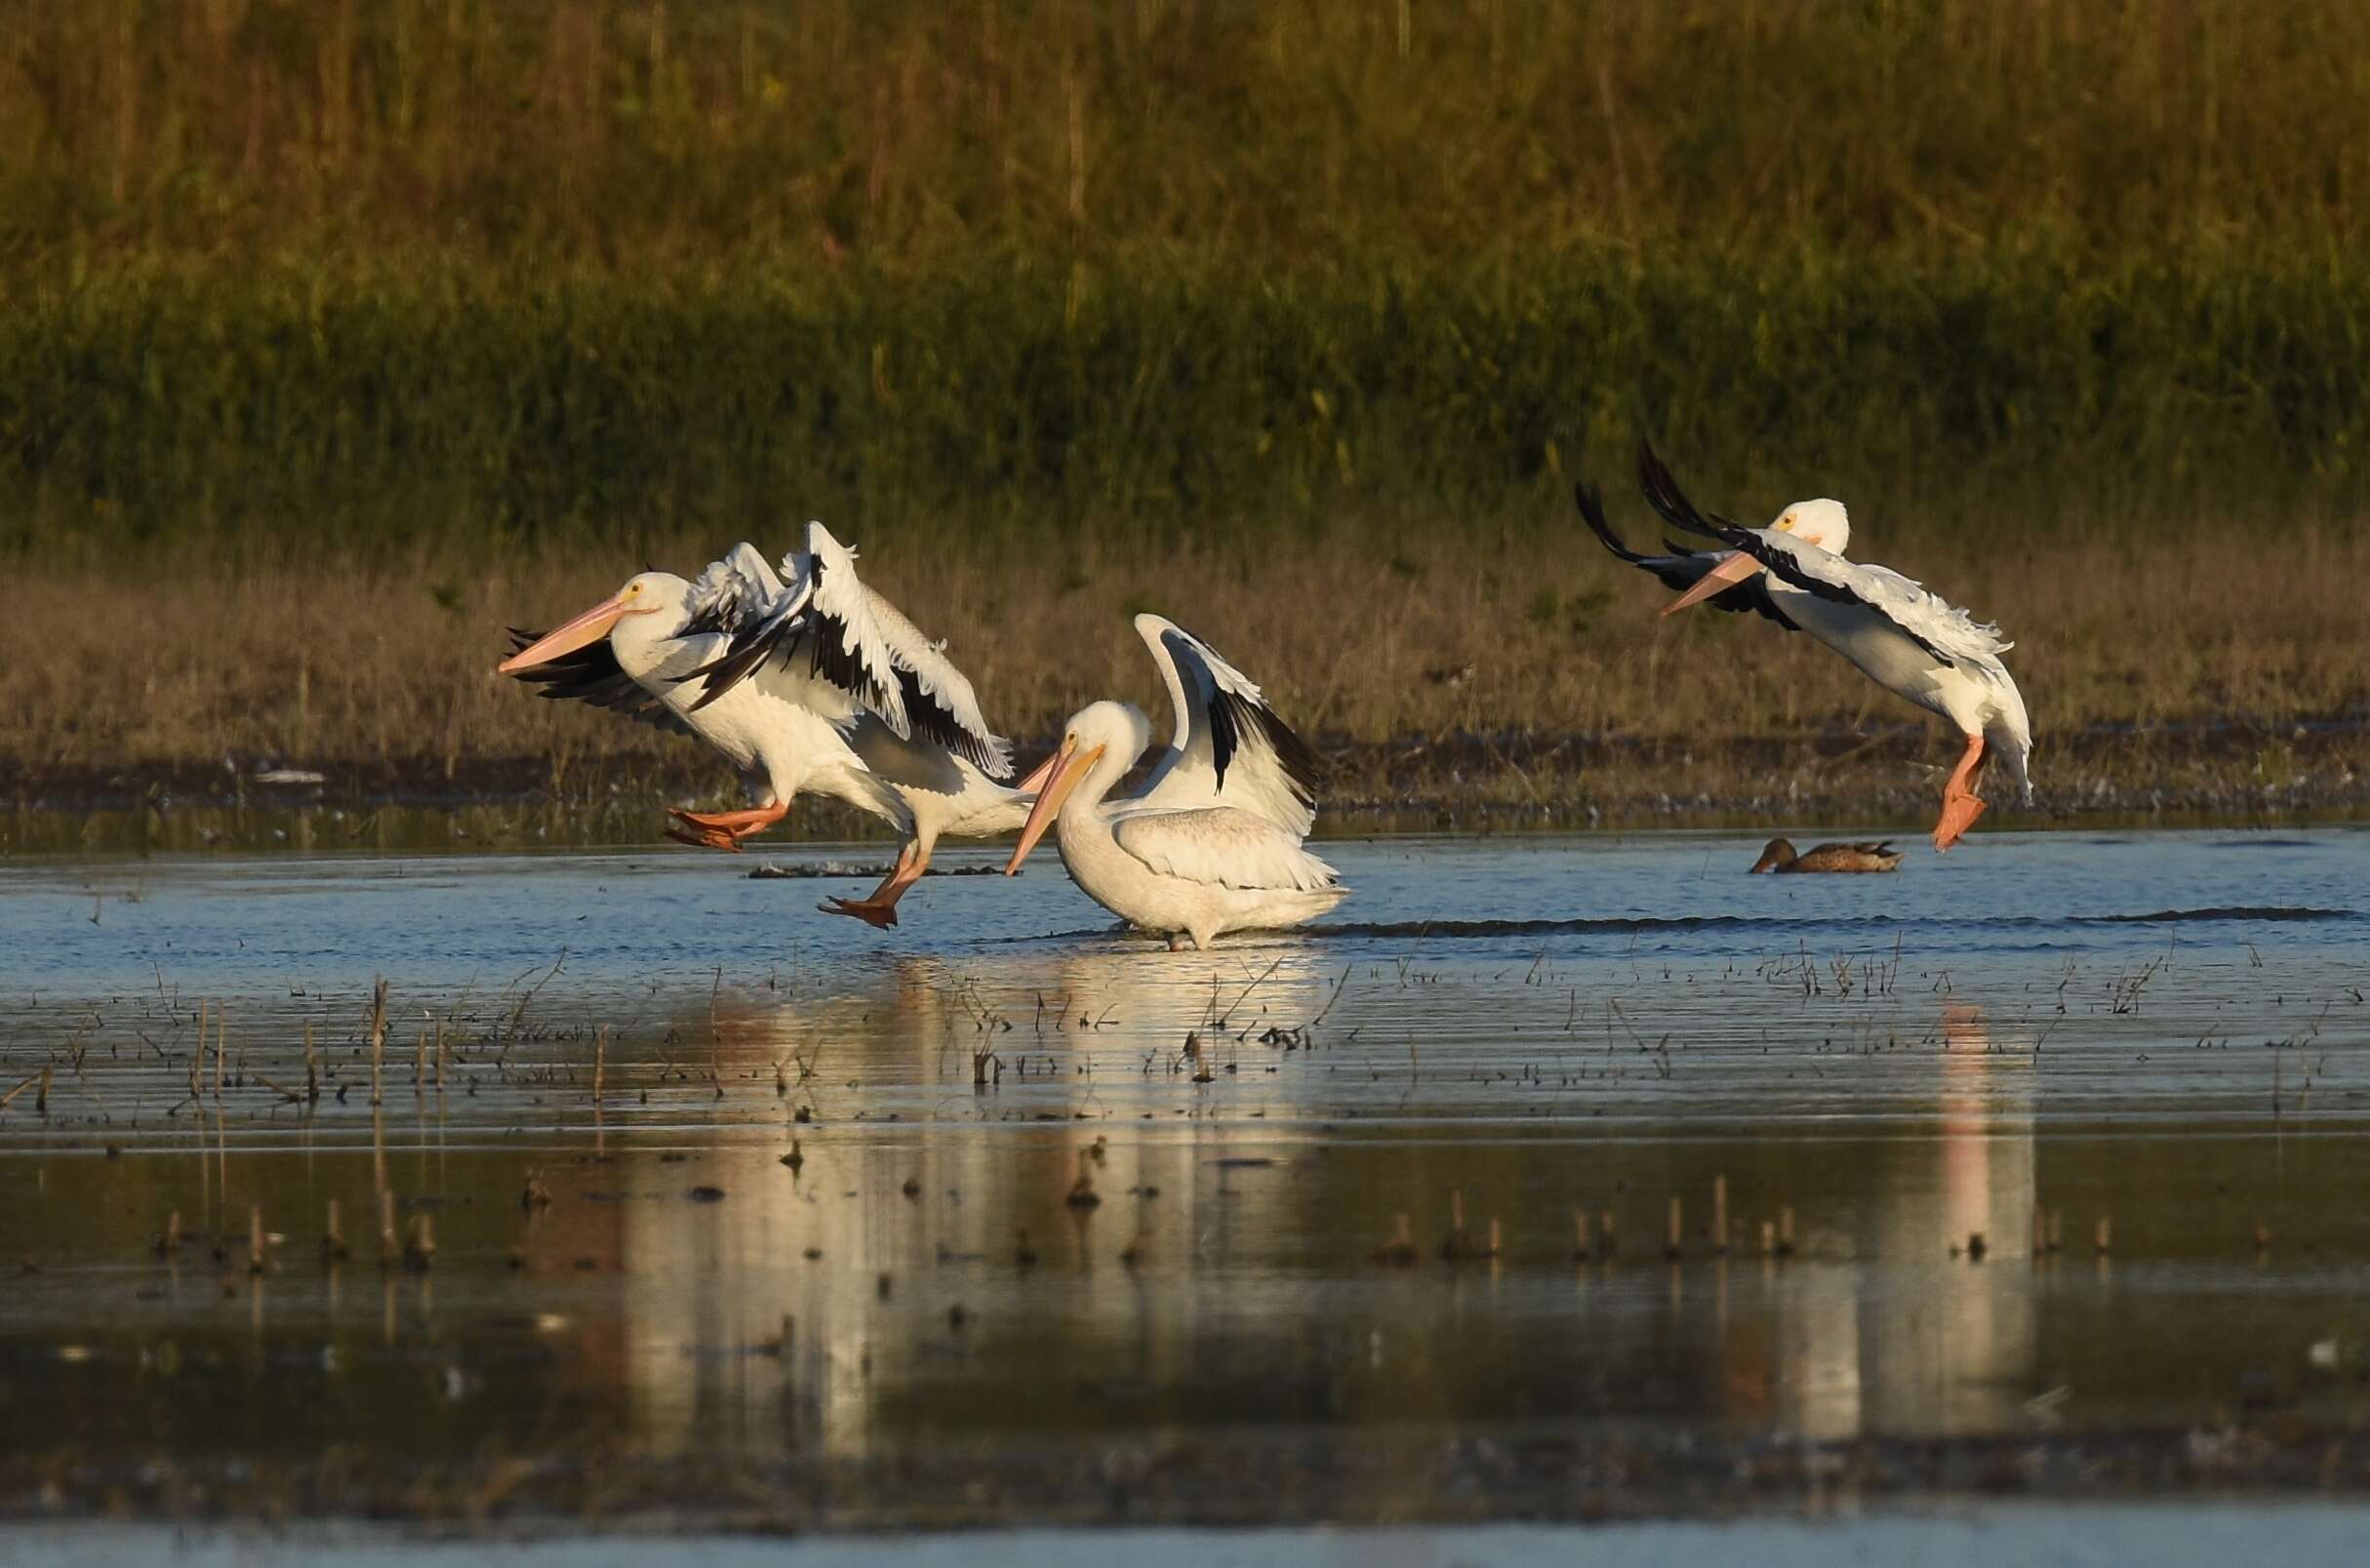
(1960,805)
(725,830)
(878,909)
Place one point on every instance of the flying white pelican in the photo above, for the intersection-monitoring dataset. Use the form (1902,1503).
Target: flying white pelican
(1908,640)
(1211,842)
(815,684)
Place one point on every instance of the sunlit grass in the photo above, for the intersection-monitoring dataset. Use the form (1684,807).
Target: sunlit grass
(1425,635)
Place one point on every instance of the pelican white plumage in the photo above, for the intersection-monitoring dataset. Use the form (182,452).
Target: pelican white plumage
(1227,746)
(805,681)
(1908,640)
(1210,841)
(1193,871)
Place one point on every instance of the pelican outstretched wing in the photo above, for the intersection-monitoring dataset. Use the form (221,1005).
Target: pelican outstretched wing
(592,674)
(824,624)
(1228,747)
(1683,568)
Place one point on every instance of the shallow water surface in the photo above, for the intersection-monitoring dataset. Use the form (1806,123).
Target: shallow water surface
(1577,1141)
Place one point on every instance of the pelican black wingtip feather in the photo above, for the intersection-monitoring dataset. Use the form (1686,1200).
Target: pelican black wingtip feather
(1591,504)
(1664,495)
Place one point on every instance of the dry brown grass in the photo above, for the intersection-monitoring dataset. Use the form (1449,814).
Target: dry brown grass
(1502,637)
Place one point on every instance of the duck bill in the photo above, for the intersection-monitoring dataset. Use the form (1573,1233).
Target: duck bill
(1721,578)
(1068,766)
(589,627)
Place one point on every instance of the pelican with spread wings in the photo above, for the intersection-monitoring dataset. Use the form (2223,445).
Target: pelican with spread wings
(1212,841)
(806,680)
(1909,641)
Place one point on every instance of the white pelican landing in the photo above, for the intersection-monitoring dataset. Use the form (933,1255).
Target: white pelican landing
(1913,643)
(812,684)
(1211,843)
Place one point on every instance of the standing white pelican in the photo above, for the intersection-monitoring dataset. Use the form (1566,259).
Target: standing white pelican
(1913,643)
(815,684)
(1211,842)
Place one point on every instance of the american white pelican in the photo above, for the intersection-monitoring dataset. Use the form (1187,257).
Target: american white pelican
(1908,641)
(1210,841)
(814,683)
(1777,855)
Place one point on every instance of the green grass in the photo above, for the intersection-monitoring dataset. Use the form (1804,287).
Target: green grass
(915,132)
(447,406)
(359,276)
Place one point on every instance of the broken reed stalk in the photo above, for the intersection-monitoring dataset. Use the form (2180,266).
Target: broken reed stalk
(221,1020)
(378,1042)
(332,1234)
(255,1238)
(1580,1234)
(1769,1240)
(440,1056)
(280,1089)
(2102,1237)
(1719,1215)
(41,1095)
(600,1061)
(420,1062)
(2057,1230)
(1786,1233)
(1671,1236)
(312,1072)
(1607,1243)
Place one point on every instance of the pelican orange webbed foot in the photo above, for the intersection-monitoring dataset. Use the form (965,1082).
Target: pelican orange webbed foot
(878,913)
(1960,805)
(731,825)
(878,909)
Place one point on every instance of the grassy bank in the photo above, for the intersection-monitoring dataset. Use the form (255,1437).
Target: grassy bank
(341,335)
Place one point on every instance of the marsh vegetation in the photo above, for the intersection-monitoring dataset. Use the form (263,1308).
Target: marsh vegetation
(341,336)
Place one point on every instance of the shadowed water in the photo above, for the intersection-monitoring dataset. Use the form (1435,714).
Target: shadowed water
(1056,1188)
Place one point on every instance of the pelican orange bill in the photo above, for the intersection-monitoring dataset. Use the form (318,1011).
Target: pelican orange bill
(1068,766)
(588,629)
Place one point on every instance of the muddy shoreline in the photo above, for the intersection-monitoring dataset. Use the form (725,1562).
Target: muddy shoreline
(2222,767)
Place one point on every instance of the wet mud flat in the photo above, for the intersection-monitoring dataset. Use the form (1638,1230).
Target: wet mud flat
(1572,1181)
(2200,769)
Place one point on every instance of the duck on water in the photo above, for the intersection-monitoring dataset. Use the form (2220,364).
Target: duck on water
(1778,855)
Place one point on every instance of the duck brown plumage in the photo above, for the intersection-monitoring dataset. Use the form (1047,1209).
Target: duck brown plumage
(1780,856)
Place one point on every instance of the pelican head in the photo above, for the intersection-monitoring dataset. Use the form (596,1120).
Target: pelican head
(648,593)
(1821,522)
(1101,741)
